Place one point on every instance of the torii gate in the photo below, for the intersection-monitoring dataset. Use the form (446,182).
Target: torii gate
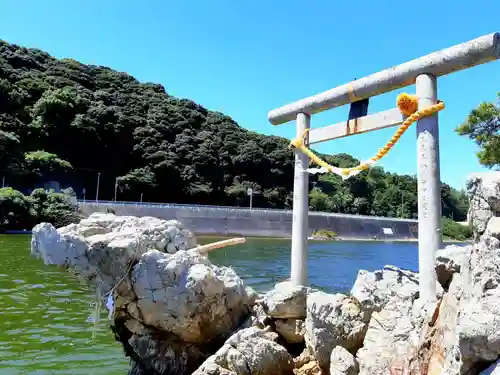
(423,72)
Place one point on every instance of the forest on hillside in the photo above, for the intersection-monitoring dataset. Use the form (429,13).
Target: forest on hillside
(66,121)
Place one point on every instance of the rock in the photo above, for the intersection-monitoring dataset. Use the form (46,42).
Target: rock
(183,293)
(171,306)
(102,247)
(342,362)
(448,262)
(165,355)
(285,301)
(493,228)
(374,289)
(464,333)
(483,190)
(333,320)
(387,337)
(250,351)
(305,364)
(292,330)
(310,368)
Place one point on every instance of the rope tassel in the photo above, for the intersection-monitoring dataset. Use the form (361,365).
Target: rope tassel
(407,105)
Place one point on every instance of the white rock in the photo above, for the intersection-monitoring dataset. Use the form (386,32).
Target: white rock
(342,362)
(493,227)
(374,289)
(449,261)
(251,351)
(102,247)
(292,330)
(483,190)
(466,331)
(285,301)
(183,293)
(333,320)
(387,337)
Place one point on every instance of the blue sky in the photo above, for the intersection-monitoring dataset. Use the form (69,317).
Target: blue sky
(245,58)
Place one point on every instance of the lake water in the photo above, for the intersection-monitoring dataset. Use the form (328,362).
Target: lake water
(44,312)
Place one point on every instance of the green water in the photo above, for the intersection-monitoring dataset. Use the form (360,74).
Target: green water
(45,312)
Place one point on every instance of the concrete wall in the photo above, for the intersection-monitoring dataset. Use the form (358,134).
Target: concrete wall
(213,220)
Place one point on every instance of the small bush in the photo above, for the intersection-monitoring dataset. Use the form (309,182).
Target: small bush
(15,210)
(55,208)
(325,233)
(19,212)
(455,231)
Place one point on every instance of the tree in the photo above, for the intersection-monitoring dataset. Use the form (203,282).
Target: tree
(483,126)
(43,163)
(88,119)
(15,210)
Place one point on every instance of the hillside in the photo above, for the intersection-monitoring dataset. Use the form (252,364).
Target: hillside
(63,120)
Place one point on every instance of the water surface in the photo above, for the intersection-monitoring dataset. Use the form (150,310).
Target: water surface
(44,311)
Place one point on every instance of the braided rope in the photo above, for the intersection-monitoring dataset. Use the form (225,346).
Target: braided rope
(408,106)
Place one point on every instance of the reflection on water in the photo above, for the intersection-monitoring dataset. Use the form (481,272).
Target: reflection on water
(44,311)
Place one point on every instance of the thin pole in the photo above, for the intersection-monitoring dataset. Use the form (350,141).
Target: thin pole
(429,197)
(141,197)
(3,181)
(251,198)
(300,224)
(116,188)
(97,192)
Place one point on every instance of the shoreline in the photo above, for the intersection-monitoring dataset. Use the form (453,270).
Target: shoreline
(338,239)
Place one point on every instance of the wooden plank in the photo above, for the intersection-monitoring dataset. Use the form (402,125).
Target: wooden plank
(380,120)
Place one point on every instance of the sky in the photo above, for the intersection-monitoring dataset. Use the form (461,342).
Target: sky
(245,58)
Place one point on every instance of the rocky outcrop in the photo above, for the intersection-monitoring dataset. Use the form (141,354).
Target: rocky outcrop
(177,313)
(170,305)
(342,362)
(483,190)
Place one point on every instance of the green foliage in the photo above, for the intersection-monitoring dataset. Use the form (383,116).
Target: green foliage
(15,210)
(18,211)
(44,163)
(483,126)
(455,231)
(91,119)
(55,208)
(325,233)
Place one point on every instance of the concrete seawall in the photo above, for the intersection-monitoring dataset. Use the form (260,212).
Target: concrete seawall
(213,220)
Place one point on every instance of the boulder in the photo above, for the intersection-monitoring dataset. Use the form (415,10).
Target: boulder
(285,301)
(101,248)
(185,294)
(292,330)
(251,351)
(374,289)
(170,306)
(483,191)
(449,261)
(305,364)
(391,335)
(342,362)
(333,320)
(462,336)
